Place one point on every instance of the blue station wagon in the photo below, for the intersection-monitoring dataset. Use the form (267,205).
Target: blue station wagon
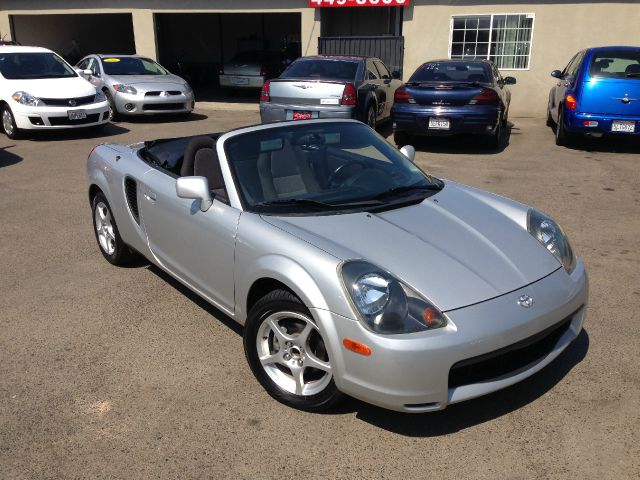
(597,93)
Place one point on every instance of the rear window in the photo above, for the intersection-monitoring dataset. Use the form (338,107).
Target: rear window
(452,72)
(615,64)
(322,69)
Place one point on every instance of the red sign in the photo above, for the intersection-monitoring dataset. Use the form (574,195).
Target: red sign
(358,3)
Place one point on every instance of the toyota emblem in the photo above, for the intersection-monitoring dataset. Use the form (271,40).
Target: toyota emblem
(525,301)
(72,102)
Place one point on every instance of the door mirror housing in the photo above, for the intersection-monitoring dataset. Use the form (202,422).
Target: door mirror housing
(395,74)
(196,188)
(409,152)
(556,74)
(510,80)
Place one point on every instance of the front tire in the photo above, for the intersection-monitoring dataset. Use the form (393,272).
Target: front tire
(9,126)
(287,353)
(114,116)
(109,240)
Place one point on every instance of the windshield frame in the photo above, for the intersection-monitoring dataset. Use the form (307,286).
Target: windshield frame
(69,69)
(351,205)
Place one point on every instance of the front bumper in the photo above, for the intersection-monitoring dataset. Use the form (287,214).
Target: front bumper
(57,118)
(242,81)
(141,104)
(414,119)
(273,112)
(411,373)
(575,123)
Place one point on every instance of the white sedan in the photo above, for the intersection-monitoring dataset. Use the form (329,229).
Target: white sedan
(40,91)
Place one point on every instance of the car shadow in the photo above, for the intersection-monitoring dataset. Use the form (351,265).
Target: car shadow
(8,158)
(464,144)
(164,118)
(605,145)
(109,130)
(242,96)
(480,410)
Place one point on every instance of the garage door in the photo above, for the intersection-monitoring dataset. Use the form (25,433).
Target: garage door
(76,35)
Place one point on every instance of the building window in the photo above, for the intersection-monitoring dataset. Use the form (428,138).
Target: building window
(505,39)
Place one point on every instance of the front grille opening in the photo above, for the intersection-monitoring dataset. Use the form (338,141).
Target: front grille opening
(58,121)
(509,359)
(163,106)
(68,102)
(131,191)
(36,121)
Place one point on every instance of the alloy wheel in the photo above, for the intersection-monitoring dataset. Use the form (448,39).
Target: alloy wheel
(104,229)
(7,122)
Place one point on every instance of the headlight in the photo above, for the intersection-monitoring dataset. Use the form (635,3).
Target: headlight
(121,88)
(385,304)
(187,88)
(552,237)
(99,97)
(26,99)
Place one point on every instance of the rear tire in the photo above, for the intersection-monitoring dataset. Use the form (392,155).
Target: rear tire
(370,118)
(9,126)
(287,354)
(550,122)
(494,141)
(401,139)
(109,240)
(563,138)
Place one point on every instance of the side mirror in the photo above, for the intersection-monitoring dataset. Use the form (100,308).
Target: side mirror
(196,188)
(556,74)
(395,75)
(510,80)
(409,152)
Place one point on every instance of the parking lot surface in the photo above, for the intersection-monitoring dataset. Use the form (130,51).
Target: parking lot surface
(123,373)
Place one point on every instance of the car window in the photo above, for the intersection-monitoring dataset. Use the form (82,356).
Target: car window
(83,64)
(572,68)
(497,75)
(615,64)
(322,68)
(32,65)
(457,71)
(382,69)
(131,66)
(93,66)
(334,164)
(372,72)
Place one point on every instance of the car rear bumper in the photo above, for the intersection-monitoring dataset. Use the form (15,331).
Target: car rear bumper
(57,118)
(242,81)
(273,112)
(430,370)
(575,123)
(415,119)
(151,105)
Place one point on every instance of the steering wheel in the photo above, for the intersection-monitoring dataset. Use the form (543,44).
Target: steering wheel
(331,181)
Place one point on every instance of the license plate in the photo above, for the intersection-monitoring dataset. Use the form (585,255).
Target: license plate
(241,81)
(438,123)
(302,115)
(77,114)
(623,126)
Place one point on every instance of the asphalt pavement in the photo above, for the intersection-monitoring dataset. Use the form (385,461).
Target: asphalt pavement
(108,372)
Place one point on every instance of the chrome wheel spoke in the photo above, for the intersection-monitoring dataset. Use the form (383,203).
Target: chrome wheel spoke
(304,335)
(277,331)
(298,377)
(270,359)
(312,361)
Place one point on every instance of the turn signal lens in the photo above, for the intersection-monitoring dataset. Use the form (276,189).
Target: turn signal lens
(265,94)
(570,102)
(356,347)
(349,95)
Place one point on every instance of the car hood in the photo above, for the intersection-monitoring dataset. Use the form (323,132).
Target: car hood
(457,248)
(71,87)
(150,82)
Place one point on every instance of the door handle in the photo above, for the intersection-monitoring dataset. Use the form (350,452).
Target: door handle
(149,195)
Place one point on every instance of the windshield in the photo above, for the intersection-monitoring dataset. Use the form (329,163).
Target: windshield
(323,167)
(131,66)
(322,68)
(615,64)
(466,72)
(32,65)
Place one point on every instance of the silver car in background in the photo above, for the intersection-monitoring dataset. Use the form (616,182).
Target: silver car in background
(251,69)
(351,269)
(321,86)
(136,85)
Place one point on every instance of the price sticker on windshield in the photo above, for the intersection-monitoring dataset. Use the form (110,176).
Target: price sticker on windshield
(358,3)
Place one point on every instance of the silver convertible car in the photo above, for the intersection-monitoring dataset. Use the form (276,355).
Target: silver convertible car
(137,85)
(352,270)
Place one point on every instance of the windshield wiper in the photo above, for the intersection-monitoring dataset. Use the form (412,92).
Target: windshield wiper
(635,75)
(407,188)
(314,203)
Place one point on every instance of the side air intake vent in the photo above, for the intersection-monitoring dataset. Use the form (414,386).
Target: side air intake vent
(131,191)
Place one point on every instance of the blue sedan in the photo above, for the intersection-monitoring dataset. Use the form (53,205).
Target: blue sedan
(597,93)
(447,97)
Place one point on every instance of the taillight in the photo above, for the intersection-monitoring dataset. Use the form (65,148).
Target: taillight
(265,94)
(402,96)
(485,97)
(349,95)
(570,102)
(263,70)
